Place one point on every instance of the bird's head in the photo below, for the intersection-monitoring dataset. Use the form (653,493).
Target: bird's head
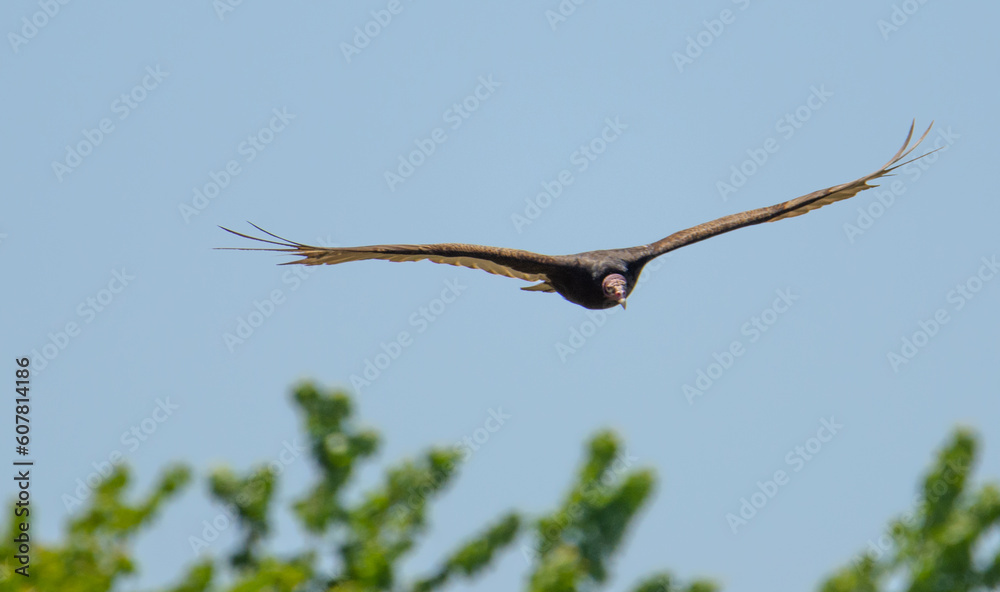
(615,288)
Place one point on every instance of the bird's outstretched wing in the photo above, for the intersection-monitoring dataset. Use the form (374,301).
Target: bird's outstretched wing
(512,263)
(788,209)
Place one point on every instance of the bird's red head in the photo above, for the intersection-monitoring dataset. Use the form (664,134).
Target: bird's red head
(615,288)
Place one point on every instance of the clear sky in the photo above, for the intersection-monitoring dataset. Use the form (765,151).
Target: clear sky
(133,130)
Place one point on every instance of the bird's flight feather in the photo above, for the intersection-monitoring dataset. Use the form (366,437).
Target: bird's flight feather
(788,209)
(553,271)
(512,263)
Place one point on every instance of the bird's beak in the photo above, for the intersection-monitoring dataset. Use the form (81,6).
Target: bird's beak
(620,295)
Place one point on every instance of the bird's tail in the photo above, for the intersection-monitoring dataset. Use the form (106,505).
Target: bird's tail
(542,287)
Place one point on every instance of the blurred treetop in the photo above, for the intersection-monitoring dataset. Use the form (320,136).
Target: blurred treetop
(942,545)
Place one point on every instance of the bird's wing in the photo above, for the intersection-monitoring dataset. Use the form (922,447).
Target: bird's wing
(512,263)
(788,209)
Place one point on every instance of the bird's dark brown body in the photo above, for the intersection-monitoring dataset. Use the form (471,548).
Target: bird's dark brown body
(594,279)
(580,276)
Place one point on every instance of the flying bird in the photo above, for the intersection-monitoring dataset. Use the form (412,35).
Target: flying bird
(594,279)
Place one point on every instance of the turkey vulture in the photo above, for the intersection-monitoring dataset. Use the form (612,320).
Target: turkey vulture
(595,279)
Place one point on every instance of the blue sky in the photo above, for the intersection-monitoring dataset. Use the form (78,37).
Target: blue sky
(134,130)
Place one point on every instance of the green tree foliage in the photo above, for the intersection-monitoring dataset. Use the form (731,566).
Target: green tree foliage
(938,547)
(942,545)
(97,550)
